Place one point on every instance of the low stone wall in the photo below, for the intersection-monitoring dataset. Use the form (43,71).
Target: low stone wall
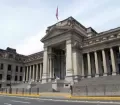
(97,90)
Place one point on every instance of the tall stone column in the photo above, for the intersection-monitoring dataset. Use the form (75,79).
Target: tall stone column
(77,63)
(45,65)
(53,67)
(24,74)
(33,75)
(96,64)
(69,68)
(114,64)
(27,74)
(30,73)
(40,71)
(36,72)
(40,77)
(83,71)
(104,62)
(50,67)
(89,65)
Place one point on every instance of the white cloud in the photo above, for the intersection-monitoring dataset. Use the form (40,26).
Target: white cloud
(31,44)
(103,17)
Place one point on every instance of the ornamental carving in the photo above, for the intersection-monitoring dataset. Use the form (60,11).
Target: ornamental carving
(71,22)
(76,45)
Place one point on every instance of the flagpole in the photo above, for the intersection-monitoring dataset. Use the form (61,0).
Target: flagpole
(57,14)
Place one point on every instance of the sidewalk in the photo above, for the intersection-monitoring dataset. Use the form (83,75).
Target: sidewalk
(52,95)
(68,96)
(103,98)
(21,95)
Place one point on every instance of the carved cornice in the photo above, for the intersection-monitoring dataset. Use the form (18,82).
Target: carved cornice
(101,39)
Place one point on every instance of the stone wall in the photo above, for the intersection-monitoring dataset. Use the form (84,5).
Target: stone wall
(97,90)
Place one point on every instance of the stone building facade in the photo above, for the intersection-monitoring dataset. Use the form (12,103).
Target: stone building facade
(71,52)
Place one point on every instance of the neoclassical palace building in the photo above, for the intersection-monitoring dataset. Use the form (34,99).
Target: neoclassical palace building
(71,52)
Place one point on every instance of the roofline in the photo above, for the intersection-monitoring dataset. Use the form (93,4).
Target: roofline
(67,19)
(35,53)
(109,31)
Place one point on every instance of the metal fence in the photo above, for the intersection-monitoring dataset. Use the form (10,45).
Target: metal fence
(97,90)
(20,91)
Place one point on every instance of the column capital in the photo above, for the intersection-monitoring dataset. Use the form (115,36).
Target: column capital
(102,48)
(69,41)
(45,48)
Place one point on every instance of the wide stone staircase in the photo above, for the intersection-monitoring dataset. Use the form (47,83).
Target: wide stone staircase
(98,86)
(103,80)
(21,85)
(45,87)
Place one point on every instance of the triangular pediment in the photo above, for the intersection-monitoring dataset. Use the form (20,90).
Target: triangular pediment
(63,26)
(54,32)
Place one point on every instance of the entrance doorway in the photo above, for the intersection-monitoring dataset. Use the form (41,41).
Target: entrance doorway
(59,63)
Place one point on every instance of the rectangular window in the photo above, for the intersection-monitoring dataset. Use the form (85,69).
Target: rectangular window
(0,76)
(20,78)
(8,84)
(16,78)
(21,69)
(9,67)
(1,66)
(8,77)
(16,68)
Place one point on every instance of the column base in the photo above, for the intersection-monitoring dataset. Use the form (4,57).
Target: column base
(69,78)
(77,78)
(45,80)
(114,74)
(49,79)
(104,74)
(72,78)
(89,76)
(39,80)
(96,75)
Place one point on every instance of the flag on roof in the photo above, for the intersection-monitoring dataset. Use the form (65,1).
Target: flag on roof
(57,13)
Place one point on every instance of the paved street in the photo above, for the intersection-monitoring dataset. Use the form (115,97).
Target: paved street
(5,100)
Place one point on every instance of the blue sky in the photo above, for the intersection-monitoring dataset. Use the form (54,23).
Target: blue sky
(23,22)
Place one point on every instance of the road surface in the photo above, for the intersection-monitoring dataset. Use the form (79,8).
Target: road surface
(6,100)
